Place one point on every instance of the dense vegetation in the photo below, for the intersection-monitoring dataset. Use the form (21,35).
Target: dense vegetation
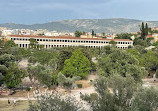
(118,88)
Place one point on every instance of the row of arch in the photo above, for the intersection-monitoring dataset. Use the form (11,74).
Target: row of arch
(50,46)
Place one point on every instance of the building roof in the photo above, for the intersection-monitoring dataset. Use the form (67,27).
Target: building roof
(148,36)
(67,37)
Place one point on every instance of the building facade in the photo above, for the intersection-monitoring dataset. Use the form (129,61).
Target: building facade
(66,41)
(155,36)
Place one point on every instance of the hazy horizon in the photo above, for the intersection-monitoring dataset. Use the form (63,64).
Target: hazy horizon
(76,19)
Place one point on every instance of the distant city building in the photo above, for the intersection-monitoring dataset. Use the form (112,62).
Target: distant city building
(66,41)
(7,32)
(3,28)
(155,36)
(154,28)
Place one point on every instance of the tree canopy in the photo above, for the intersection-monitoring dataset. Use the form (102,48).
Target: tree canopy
(77,65)
(122,63)
(13,77)
(78,33)
(122,94)
(124,36)
(67,82)
(55,103)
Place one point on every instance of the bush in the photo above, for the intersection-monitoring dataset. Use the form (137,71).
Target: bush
(86,97)
(27,89)
(79,85)
(129,47)
(157,73)
(93,96)
(89,98)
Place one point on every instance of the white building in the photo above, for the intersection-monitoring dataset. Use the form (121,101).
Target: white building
(7,32)
(66,41)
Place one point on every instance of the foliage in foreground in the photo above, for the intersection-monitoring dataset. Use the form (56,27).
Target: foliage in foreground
(55,103)
(112,94)
(122,94)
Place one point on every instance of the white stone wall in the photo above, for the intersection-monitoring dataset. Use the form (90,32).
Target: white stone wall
(55,42)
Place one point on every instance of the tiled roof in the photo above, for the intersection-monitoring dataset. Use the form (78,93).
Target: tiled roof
(149,36)
(67,37)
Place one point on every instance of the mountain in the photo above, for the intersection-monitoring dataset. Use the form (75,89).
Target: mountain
(114,25)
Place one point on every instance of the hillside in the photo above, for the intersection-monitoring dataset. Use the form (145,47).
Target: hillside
(115,25)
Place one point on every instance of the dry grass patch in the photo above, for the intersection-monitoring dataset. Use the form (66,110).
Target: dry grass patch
(20,106)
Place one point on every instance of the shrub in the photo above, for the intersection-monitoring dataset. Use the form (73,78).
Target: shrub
(79,85)
(93,96)
(27,89)
(86,97)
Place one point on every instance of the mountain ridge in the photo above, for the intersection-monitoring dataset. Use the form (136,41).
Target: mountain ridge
(111,25)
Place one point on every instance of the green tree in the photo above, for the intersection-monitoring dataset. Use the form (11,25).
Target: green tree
(123,36)
(77,65)
(155,44)
(103,34)
(9,44)
(33,73)
(1,43)
(42,56)
(114,93)
(157,72)
(112,42)
(143,31)
(1,79)
(19,53)
(3,71)
(45,77)
(122,94)
(146,29)
(63,55)
(67,82)
(138,41)
(120,62)
(39,73)
(55,103)
(146,99)
(6,59)
(32,59)
(93,34)
(33,43)
(149,60)
(148,40)
(83,33)
(14,76)
(78,33)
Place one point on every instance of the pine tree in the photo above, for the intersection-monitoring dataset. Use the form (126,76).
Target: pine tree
(143,31)
(146,29)
(93,33)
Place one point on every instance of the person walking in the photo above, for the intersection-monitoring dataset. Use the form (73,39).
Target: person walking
(14,102)
(8,102)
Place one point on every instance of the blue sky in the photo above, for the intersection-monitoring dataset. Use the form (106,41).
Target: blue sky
(42,11)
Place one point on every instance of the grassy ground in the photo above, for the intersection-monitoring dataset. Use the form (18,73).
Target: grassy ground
(20,106)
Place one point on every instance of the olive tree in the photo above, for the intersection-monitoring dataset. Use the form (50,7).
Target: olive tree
(120,62)
(67,82)
(55,103)
(146,99)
